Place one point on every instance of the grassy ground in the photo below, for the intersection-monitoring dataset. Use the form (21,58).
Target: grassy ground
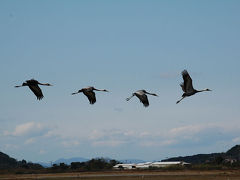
(134,175)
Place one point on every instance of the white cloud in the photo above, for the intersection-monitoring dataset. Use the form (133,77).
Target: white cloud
(198,128)
(25,128)
(70,143)
(144,134)
(30,128)
(30,141)
(189,134)
(42,151)
(168,142)
(10,147)
(190,129)
(129,133)
(117,137)
(192,135)
(96,134)
(236,140)
(111,143)
(51,133)
(157,141)
(110,133)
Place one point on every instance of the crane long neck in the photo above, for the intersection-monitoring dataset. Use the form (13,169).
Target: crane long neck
(44,84)
(151,94)
(23,84)
(130,97)
(99,89)
(79,91)
(197,91)
(180,100)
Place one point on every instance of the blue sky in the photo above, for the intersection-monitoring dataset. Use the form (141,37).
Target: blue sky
(121,46)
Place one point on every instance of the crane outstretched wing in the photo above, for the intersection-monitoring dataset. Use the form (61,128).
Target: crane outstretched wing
(91,96)
(187,84)
(182,86)
(144,99)
(37,91)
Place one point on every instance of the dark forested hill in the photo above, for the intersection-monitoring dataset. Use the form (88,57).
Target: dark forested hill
(234,153)
(195,159)
(7,162)
(231,154)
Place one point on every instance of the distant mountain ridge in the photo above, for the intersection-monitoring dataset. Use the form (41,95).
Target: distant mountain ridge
(81,159)
(65,161)
(231,154)
(70,160)
(134,161)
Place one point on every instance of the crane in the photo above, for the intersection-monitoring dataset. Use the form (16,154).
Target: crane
(141,94)
(33,85)
(89,92)
(187,86)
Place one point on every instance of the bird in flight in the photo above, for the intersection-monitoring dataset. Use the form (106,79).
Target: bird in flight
(89,92)
(187,86)
(141,94)
(33,85)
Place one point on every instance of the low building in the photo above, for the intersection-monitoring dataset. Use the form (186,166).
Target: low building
(146,165)
(125,166)
(229,160)
(170,163)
